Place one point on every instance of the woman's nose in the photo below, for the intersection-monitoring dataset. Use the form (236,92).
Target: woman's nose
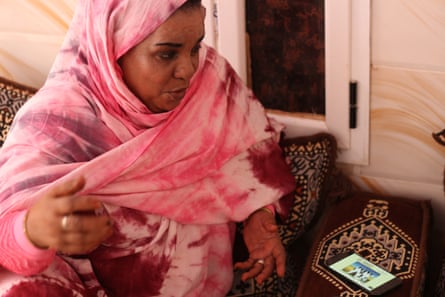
(185,69)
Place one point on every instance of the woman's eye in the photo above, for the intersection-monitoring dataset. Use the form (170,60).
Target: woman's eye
(196,49)
(167,55)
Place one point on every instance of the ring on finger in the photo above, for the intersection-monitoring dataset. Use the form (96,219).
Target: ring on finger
(64,222)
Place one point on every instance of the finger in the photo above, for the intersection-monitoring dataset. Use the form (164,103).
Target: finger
(279,255)
(67,188)
(82,239)
(78,204)
(267,270)
(252,272)
(84,223)
(245,265)
(81,242)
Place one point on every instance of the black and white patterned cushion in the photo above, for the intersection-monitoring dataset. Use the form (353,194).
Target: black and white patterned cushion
(12,96)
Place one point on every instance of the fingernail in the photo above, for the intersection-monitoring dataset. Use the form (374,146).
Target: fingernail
(99,209)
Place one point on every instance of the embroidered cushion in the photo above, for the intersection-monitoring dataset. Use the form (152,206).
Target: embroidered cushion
(12,96)
(312,160)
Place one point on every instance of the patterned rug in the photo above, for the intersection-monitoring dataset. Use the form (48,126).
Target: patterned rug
(390,232)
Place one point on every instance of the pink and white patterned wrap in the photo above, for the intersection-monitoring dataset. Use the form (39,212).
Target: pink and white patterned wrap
(173,183)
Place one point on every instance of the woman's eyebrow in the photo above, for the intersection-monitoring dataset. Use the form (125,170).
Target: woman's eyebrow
(177,45)
(170,44)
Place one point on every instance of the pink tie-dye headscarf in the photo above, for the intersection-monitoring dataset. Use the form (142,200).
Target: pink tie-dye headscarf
(212,160)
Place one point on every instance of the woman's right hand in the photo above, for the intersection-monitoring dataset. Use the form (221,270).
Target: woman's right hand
(66,222)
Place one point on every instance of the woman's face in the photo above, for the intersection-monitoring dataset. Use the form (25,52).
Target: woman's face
(158,70)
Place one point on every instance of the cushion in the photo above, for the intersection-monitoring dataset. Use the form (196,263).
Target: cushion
(391,232)
(311,160)
(12,96)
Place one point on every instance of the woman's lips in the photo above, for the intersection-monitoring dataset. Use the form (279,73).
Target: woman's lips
(178,94)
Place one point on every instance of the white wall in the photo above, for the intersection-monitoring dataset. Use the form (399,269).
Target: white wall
(31,32)
(407,102)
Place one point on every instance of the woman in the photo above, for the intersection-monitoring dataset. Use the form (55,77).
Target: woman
(125,173)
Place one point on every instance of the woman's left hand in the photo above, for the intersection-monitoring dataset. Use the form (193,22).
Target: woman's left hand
(266,251)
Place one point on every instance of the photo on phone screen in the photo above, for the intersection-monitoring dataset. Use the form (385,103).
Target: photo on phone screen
(368,276)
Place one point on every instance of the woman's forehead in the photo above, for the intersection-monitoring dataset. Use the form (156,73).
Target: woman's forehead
(131,21)
(181,27)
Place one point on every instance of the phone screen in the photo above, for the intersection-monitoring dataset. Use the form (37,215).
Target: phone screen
(362,272)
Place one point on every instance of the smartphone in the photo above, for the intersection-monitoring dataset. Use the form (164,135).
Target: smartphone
(365,275)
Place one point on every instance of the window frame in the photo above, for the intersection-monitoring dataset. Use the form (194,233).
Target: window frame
(347,41)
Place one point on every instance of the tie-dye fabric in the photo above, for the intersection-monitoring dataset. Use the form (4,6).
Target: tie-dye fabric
(173,183)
